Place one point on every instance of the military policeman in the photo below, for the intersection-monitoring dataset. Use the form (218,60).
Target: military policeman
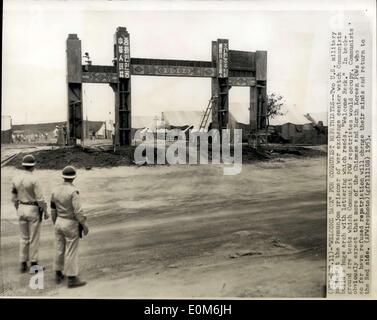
(69,220)
(28,199)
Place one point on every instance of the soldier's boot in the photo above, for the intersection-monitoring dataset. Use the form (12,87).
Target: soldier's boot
(23,267)
(74,282)
(35,270)
(59,277)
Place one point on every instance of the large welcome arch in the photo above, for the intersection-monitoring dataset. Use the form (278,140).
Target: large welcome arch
(227,68)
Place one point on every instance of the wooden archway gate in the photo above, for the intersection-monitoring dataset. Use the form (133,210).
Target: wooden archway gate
(227,68)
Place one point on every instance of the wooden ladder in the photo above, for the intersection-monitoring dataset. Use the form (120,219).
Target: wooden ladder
(205,115)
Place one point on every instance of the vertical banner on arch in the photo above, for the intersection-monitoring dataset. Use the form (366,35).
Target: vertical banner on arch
(123,56)
(223,58)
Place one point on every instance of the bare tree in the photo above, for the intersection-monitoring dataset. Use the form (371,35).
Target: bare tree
(274,107)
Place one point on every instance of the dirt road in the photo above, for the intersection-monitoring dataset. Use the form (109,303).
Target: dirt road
(8,151)
(188,231)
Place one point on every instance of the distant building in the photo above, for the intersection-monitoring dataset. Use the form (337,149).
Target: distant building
(6,129)
(44,132)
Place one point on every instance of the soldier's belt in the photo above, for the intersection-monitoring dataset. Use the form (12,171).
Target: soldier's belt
(67,217)
(29,203)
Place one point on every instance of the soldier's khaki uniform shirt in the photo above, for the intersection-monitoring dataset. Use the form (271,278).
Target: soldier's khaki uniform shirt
(65,200)
(26,188)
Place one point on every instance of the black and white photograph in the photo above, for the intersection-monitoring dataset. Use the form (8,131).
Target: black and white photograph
(181,150)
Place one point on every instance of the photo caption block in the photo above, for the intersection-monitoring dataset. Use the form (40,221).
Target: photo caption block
(349,158)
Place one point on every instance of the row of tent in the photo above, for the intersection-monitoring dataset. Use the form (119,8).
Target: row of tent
(45,132)
(281,130)
(299,130)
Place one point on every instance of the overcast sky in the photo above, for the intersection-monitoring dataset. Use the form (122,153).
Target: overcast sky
(34,69)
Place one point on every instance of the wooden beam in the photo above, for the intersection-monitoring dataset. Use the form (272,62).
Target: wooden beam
(171,70)
(242,81)
(253,109)
(241,60)
(99,68)
(75,113)
(261,65)
(215,90)
(74,89)
(108,74)
(173,63)
(99,77)
(73,46)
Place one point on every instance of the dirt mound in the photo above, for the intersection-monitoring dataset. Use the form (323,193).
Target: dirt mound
(78,157)
(95,158)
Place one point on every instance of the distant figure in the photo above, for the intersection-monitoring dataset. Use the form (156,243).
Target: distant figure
(56,130)
(60,139)
(113,133)
(65,135)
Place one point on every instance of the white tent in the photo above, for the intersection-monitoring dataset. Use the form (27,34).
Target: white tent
(102,131)
(182,118)
(139,122)
(297,118)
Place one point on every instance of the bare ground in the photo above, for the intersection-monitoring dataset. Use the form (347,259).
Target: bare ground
(188,231)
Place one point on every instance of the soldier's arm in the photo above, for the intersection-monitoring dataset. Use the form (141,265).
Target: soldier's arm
(40,198)
(77,208)
(39,195)
(15,196)
(54,213)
